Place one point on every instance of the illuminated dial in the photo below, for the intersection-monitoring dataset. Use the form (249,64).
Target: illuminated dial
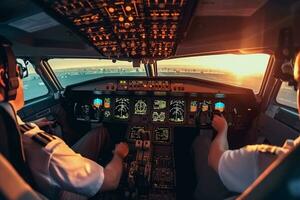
(140,107)
(176,111)
(106,114)
(121,110)
(158,116)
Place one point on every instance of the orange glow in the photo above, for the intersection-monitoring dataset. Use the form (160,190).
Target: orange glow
(239,65)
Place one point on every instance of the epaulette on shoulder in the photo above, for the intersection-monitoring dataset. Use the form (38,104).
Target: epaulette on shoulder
(25,127)
(41,137)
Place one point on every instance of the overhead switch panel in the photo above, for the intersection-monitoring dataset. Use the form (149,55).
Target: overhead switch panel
(125,29)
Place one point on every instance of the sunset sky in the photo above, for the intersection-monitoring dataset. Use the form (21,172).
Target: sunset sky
(251,64)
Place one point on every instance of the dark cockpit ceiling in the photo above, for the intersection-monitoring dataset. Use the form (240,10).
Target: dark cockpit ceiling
(210,26)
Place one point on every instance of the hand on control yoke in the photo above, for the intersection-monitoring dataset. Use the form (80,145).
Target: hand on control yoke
(219,123)
(121,150)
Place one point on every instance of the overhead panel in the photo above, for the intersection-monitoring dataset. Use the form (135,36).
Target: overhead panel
(126,29)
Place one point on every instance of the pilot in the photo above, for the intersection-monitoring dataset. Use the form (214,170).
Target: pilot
(237,169)
(55,166)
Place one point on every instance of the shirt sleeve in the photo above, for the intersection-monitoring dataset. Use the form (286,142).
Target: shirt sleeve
(73,172)
(238,168)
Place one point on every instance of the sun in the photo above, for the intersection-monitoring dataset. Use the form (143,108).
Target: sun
(247,65)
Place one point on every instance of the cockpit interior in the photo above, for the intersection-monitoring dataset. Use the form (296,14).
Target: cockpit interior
(154,73)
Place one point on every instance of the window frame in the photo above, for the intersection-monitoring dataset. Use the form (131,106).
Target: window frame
(49,90)
(253,51)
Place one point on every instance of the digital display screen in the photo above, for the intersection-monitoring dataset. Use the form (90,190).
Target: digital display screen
(158,116)
(135,133)
(140,107)
(83,112)
(176,111)
(97,103)
(162,134)
(220,106)
(193,106)
(159,104)
(220,96)
(121,110)
(106,102)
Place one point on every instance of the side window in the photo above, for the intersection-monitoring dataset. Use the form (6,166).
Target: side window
(33,85)
(287,96)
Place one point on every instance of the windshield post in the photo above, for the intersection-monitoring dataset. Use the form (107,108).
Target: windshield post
(151,69)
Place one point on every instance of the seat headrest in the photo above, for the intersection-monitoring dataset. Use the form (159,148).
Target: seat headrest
(4,41)
(8,60)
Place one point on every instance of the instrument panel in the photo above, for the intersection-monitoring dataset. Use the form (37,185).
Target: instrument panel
(161,101)
(152,110)
(156,110)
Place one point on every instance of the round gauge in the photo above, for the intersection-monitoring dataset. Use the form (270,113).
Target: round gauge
(140,107)
(176,111)
(121,110)
(106,114)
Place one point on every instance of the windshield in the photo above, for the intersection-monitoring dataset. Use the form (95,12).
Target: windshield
(71,71)
(238,70)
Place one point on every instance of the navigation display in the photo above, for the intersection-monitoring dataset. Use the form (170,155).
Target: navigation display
(162,134)
(158,116)
(121,110)
(140,107)
(176,111)
(159,104)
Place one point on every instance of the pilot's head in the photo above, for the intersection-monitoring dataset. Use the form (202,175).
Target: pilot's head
(18,102)
(297,78)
